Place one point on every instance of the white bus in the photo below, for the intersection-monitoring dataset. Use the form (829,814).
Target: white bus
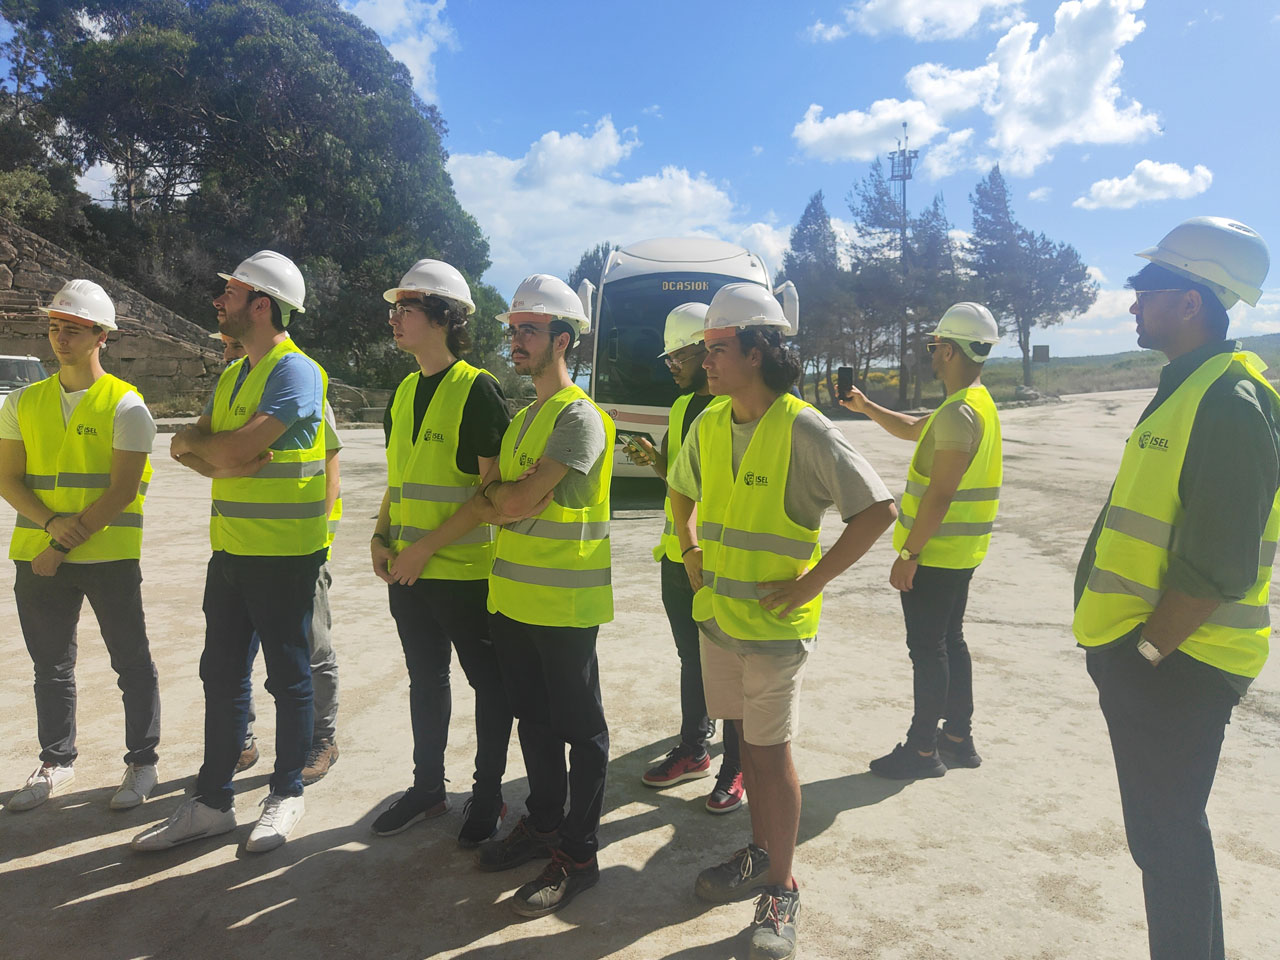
(639,286)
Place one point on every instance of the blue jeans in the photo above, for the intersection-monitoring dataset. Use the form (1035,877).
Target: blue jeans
(251,602)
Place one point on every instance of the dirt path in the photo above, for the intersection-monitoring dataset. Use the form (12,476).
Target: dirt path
(1023,859)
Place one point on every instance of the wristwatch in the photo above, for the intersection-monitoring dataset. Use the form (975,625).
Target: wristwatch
(1150,651)
(906,554)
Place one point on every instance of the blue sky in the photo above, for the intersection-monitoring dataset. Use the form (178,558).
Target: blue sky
(572,123)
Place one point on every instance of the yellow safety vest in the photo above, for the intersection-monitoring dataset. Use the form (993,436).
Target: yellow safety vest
(424,481)
(69,467)
(743,528)
(1141,523)
(669,544)
(553,569)
(278,511)
(962,539)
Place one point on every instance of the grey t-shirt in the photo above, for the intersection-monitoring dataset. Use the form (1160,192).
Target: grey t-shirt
(956,426)
(825,471)
(577,440)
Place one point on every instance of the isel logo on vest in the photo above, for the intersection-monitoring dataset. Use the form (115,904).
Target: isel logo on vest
(239,411)
(755,479)
(85,430)
(431,436)
(526,460)
(1152,442)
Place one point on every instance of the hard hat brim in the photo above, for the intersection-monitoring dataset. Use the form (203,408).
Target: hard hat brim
(390,297)
(296,308)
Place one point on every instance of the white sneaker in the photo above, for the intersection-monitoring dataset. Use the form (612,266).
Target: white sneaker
(48,779)
(139,780)
(191,821)
(279,816)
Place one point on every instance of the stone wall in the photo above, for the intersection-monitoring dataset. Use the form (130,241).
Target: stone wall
(166,356)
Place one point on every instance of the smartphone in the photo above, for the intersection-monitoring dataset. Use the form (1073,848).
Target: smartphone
(631,440)
(844,382)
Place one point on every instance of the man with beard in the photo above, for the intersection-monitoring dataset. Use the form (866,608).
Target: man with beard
(942,534)
(689,759)
(549,591)
(1172,588)
(268,533)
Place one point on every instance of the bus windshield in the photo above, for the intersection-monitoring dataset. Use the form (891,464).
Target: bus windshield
(16,371)
(633,313)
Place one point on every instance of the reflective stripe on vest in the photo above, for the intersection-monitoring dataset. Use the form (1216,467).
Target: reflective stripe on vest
(961,541)
(69,467)
(743,528)
(553,569)
(280,510)
(669,544)
(1141,523)
(426,487)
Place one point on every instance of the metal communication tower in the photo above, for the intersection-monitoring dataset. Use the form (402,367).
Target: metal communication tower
(901,162)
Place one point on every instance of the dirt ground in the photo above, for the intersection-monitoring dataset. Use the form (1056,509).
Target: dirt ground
(1022,859)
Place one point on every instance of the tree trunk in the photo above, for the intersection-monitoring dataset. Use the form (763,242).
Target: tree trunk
(1024,344)
(831,387)
(904,368)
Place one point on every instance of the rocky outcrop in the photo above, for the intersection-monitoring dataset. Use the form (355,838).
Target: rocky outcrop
(166,356)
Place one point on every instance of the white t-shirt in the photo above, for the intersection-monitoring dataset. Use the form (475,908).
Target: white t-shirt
(134,428)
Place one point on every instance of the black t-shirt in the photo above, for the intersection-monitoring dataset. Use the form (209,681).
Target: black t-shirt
(484,418)
(697,403)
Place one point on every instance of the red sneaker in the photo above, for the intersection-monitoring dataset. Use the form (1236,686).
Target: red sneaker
(682,763)
(728,793)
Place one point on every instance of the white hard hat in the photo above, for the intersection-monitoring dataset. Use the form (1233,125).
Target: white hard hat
(84,300)
(746,305)
(684,327)
(275,275)
(1225,255)
(543,293)
(969,323)
(437,279)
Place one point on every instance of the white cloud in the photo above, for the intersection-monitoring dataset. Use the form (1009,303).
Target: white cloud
(653,110)
(1110,310)
(541,210)
(1149,181)
(1064,88)
(97,182)
(918,19)
(757,150)
(1038,93)
(1264,318)
(855,135)
(1040,194)
(413,31)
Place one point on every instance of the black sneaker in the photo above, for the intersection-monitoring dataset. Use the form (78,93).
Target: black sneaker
(559,882)
(414,804)
(480,821)
(773,936)
(905,763)
(738,878)
(522,844)
(962,754)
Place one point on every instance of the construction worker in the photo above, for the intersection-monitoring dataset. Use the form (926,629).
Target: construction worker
(324,662)
(444,430)
(689,759)
(268,533)
(1171,591)
(549,591)
(761,471)
(941,535)
(74,464)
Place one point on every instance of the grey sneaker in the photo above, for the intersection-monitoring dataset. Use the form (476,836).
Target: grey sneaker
(48,779)
(773,935)
(192,820)
(738,878)
(138,783)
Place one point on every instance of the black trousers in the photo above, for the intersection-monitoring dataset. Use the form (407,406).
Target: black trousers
(696,728)
(1166,726)
(430,616)
(553,685)
(943,674)
(252,601)
(49,611)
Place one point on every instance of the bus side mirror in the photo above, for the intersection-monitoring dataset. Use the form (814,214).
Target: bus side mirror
(790,306)
(586,293)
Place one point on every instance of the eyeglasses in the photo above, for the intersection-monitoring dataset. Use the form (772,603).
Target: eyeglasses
(404,306)
(933,345)
(525,330)
(1139,294)
(675,363)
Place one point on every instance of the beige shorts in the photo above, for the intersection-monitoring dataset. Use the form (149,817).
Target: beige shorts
(762,690)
